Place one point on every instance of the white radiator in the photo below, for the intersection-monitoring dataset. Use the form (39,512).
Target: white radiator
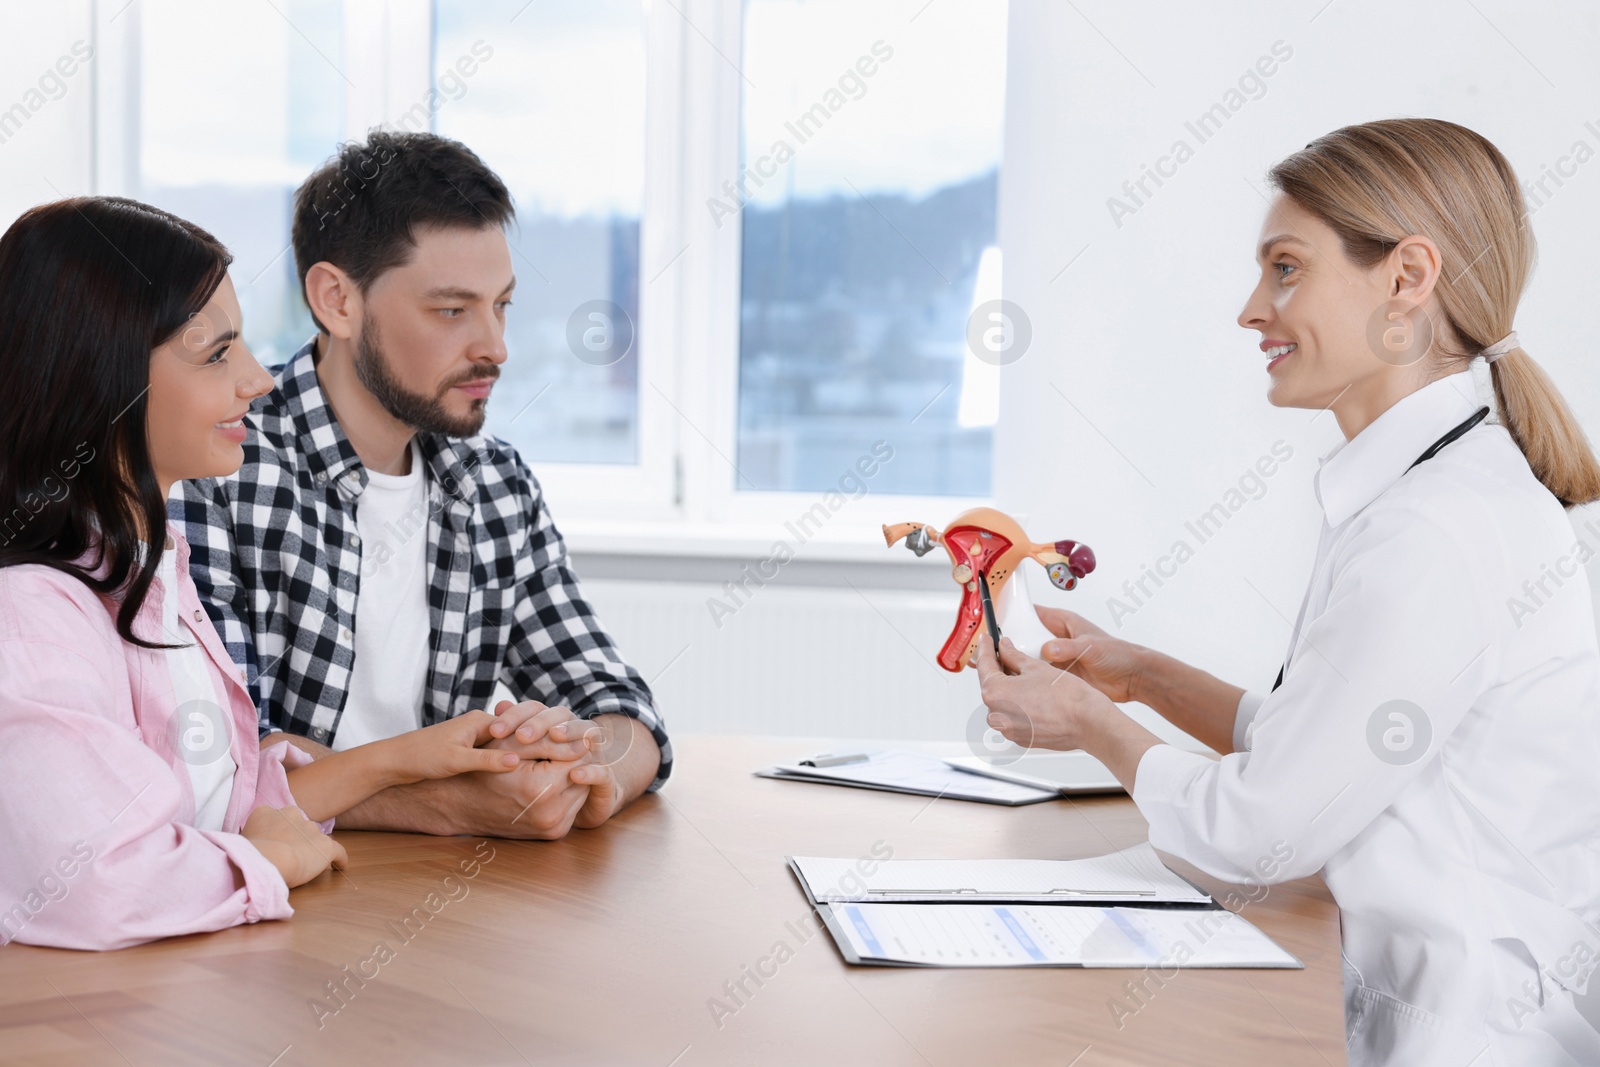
(792,661)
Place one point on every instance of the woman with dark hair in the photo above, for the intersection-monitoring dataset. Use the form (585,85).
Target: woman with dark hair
(137,803)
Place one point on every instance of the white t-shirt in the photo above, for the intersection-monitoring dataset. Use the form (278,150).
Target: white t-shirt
(392,626)
(204,734)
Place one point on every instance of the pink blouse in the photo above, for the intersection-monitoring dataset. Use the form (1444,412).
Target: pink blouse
(97,844)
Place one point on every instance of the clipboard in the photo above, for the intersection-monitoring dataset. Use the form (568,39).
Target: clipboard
(898,771)
(1074,773)
(1134,876)
(1043,935)
(1013,915)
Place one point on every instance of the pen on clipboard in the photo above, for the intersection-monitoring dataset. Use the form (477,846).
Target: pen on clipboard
(988,612)
(833,761)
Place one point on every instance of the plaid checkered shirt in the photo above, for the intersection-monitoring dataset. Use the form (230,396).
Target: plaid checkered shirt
(276,557)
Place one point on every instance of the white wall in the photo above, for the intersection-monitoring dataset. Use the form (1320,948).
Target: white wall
(46,155)
(1139,332)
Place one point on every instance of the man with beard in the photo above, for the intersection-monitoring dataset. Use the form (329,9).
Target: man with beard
(377,564)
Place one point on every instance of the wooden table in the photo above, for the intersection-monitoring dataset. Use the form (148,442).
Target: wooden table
(616,946)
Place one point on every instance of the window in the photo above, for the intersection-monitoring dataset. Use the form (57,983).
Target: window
(556,105)
(668,363)
(871,157)
(226,132)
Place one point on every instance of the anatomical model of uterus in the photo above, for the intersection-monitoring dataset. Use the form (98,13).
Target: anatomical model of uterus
(992,544)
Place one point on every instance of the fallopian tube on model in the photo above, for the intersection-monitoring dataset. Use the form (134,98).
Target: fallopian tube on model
(992,544)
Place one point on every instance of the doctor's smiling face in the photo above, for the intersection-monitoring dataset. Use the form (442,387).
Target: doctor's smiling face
(1333,334)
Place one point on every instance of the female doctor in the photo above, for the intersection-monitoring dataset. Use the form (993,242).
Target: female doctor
(1433,746)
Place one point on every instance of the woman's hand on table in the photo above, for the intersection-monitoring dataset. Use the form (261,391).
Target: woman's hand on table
(454,746)
(293,843)
(535,731)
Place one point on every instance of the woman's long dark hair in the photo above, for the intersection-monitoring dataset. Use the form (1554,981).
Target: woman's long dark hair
(89,287)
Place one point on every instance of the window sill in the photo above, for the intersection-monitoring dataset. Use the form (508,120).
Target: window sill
(701,540)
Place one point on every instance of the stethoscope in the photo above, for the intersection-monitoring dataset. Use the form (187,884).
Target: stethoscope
(1432,450)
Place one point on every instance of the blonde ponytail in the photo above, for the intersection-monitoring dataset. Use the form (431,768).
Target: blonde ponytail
(1381,181)
(1544,428)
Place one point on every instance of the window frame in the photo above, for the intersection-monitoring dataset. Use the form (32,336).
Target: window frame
(718,151)
(689,290)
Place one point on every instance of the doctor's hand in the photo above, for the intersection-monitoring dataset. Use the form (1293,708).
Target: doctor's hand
(1034,704)
(1108,663)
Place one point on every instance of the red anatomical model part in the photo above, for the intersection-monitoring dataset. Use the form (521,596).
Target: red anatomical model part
(991,543)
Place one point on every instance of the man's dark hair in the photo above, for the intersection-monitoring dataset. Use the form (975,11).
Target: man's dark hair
(360,210)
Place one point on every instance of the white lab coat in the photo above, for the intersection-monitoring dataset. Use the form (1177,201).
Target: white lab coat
(1458,831)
